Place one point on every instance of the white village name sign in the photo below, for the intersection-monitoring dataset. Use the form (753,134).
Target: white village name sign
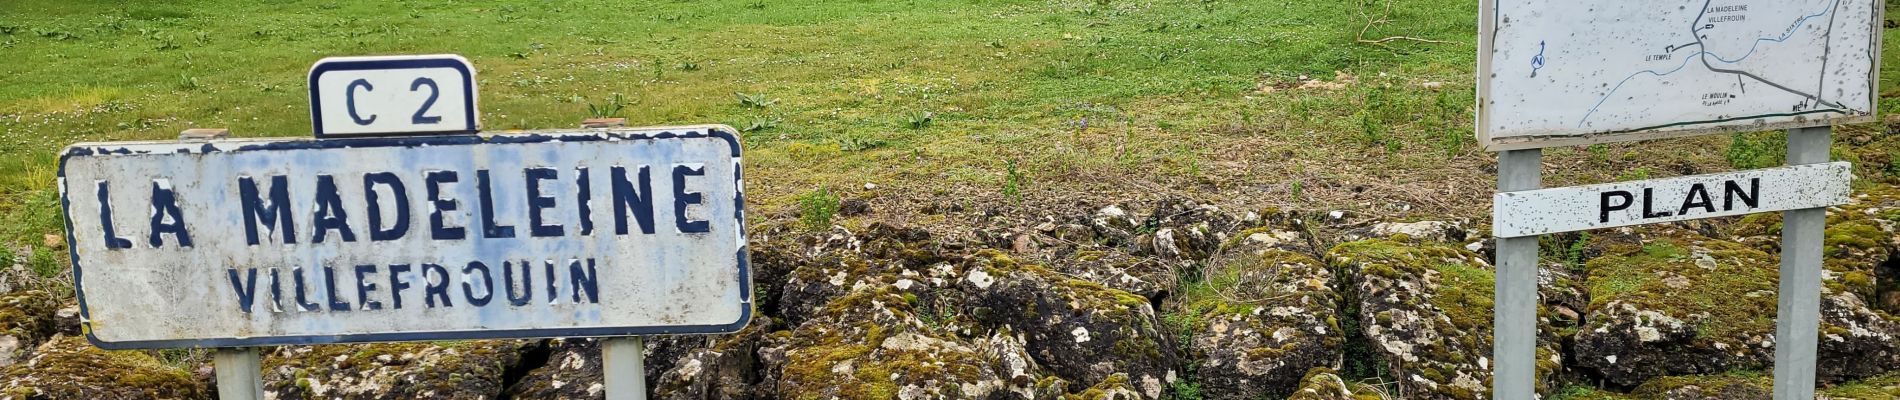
(269,242)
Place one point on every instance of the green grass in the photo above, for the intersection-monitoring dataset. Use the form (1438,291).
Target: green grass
(933,99)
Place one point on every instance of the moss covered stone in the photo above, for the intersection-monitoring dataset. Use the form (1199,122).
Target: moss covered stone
(1326,384)
(69,368)
(1426,309)
(1676,303)
(27,316)
(1262,321)
(1081,330)
(871,345)
(471,369)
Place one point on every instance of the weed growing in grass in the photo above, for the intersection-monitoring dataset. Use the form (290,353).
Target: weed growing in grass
(754,101)
(919,119)
(188,83)
(1893,163)
(853,143)
(688,66)
(759,124)
(1640,173)
(45,262)
(1013,181)
(815,209)
(610,109)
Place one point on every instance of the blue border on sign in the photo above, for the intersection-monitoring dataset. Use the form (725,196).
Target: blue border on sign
(468,96)
(716,132)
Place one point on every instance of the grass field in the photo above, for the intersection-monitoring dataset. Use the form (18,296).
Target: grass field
(1266,103)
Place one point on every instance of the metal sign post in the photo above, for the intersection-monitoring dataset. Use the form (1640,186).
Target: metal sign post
(239,373)
(1514,318)
(624,367)
(1798,310)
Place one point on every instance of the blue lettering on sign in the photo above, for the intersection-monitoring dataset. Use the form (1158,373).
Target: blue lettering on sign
(303,302)
(527,282)
(640,202)
(113,241)
(246,289)
(490,229)
(584,281)
(276,292)
(349,101)
(683,198)
(401,226)
(552,283)
(420,119)
(538,202)
(437,285)
(488,284)
(585,201)
(330,214)
(164,208)
(275,214)
(396,284)
(364,286)
(329,288)
(437,228)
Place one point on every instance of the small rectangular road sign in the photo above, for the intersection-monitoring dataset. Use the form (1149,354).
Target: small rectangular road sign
(364,96)
(1537,212)
(270,242)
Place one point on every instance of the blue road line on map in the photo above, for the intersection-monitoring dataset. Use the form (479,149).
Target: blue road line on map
(1798,23)
(1619,85)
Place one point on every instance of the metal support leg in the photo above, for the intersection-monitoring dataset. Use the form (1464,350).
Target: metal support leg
(1514,340)
(625,367)
(1798,314)
(239,374)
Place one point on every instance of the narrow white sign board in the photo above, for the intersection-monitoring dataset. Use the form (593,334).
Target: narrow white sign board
(1576,208)
(272,242)
(392,95)
(1555,73)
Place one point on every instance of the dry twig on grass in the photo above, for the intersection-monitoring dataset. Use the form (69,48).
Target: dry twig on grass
(1383,18)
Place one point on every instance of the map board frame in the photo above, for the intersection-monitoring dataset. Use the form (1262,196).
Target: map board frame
(1487,34)
(727,136)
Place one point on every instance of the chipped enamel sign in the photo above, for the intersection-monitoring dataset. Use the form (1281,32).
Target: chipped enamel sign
(1537,212)
(394,95)
(273,242)
(1585,72)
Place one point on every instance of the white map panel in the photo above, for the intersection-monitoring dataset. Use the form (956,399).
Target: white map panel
(1575,72)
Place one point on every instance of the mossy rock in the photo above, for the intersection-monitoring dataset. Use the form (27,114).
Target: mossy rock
(1677,303)
(28,316)
(1261,322)
(1115,387)
(70,368)
(1081,330)
(1326,384)
(465,369)
(726,370)
(871,345)
(1426,309)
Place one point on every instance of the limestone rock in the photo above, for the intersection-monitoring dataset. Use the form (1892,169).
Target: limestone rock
(68,367)
(451,370)
(1081,330)
(1677,303)
(726,370)
(1269,319)
(1426,309)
